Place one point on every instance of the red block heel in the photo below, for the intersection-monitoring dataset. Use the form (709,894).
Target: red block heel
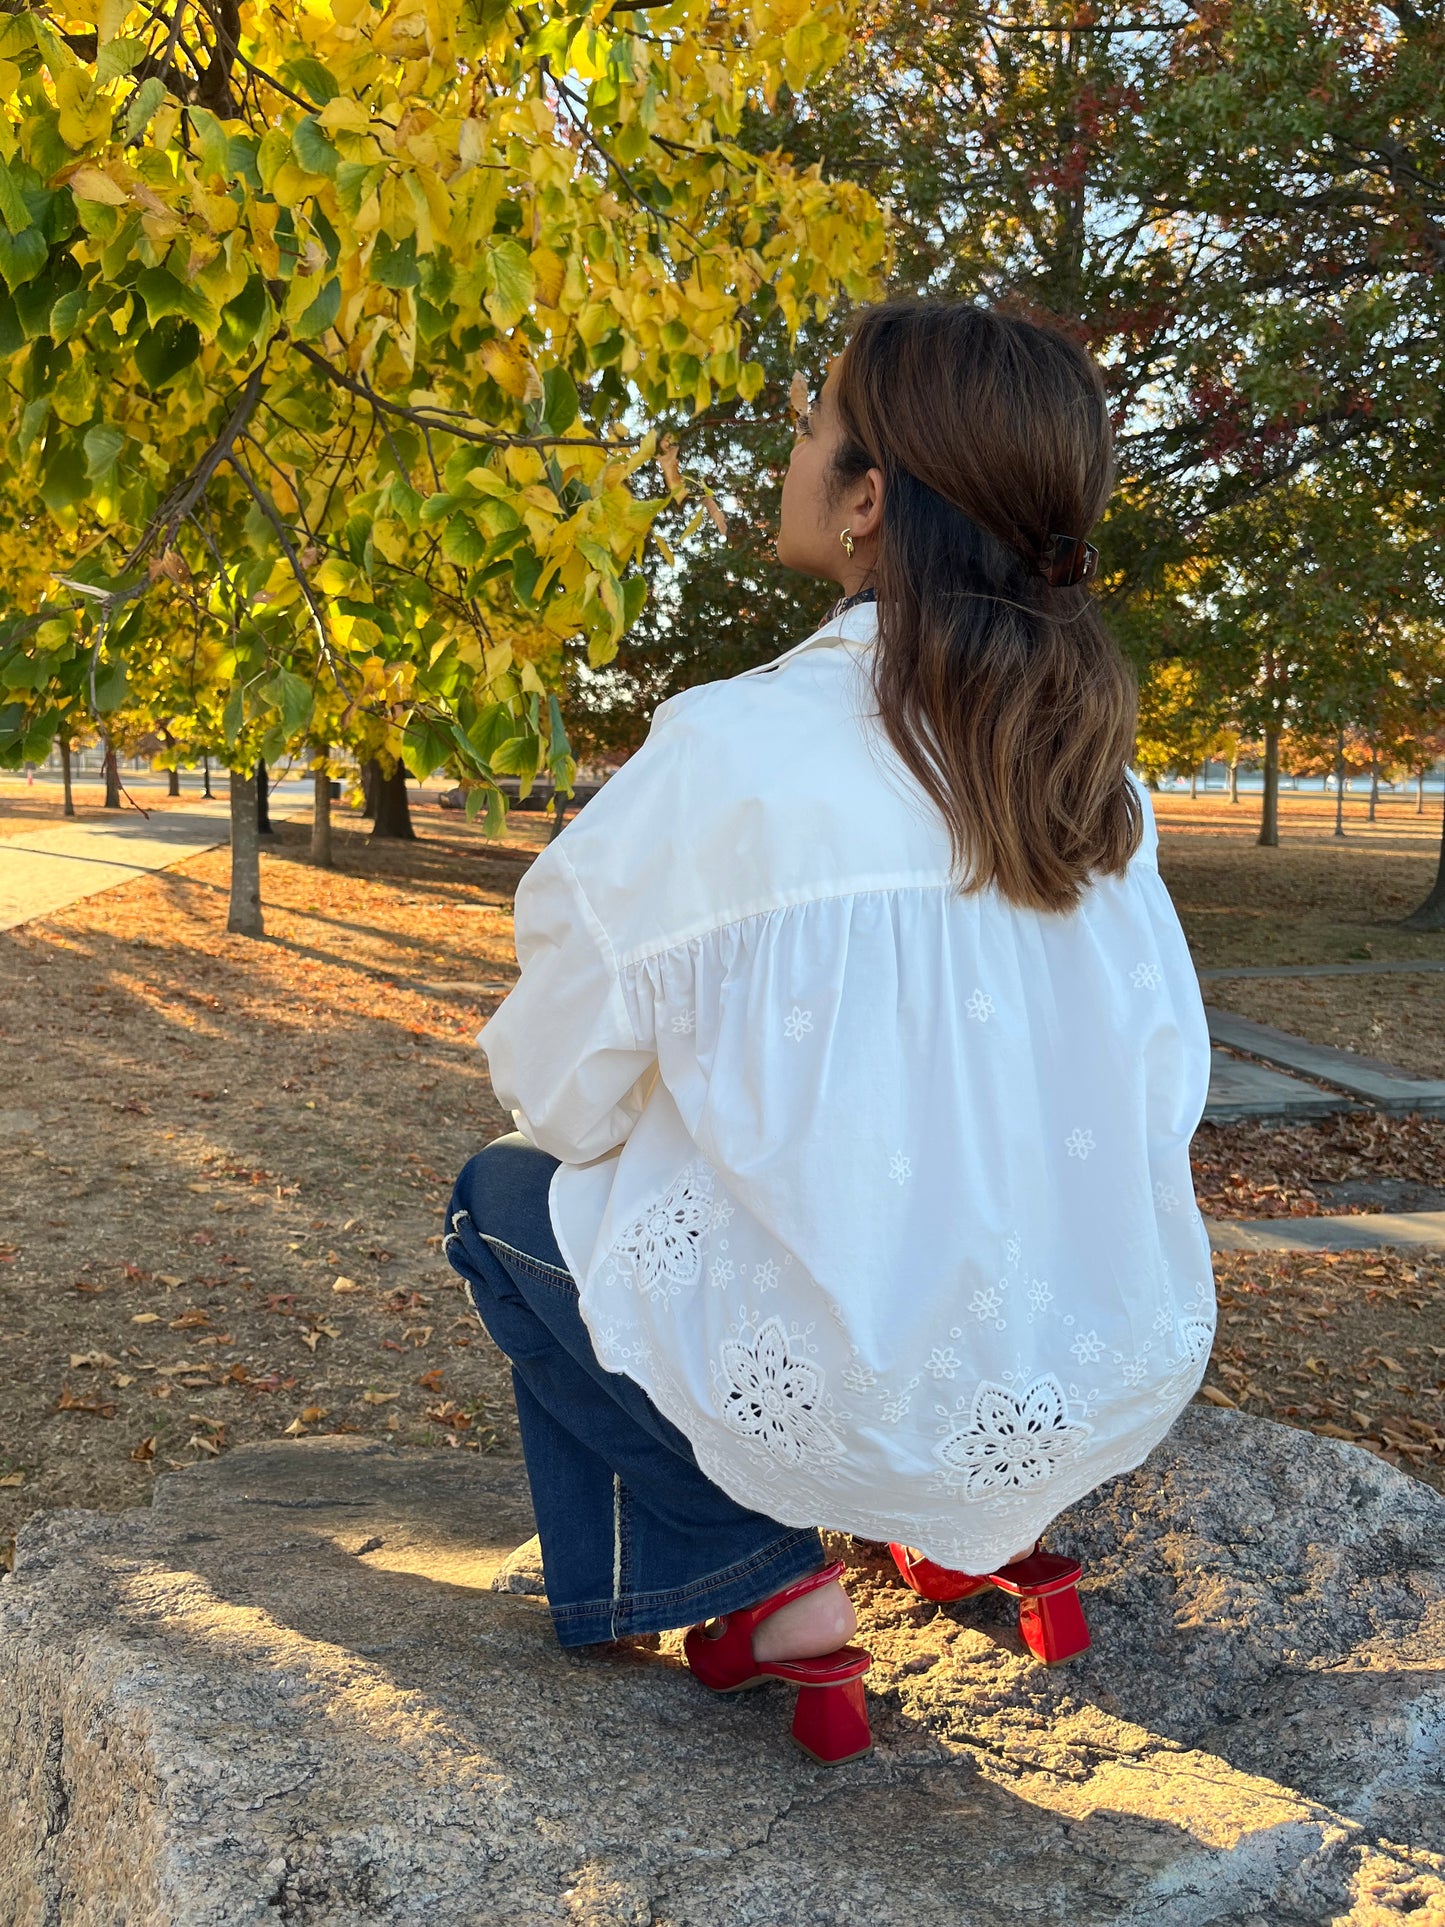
(830,1721)
(1046,1585)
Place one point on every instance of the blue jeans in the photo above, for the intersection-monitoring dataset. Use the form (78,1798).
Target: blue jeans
(634,1538)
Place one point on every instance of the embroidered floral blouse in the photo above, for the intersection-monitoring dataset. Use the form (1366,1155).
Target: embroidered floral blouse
(881,1192)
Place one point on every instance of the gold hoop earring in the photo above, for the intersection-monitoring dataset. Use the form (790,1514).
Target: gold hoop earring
(846,539)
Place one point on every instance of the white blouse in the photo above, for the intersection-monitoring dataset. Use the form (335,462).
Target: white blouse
(881,1192)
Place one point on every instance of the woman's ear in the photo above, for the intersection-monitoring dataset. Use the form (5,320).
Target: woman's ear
(865,505)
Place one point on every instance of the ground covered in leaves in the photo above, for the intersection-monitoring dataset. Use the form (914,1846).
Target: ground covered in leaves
(1345,1343)
(223,1164)
(1314,899)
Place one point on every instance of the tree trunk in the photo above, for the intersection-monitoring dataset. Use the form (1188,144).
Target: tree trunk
(263,800)
(65,776)
(1269,814)
(559,804)
(173,782)
(1431,913)
(1374,780)
(245,917)
(370,784)
(393,812)
(1234,779)
(112,780)
(1339,782)
(1420,791)
(1193,785)
(321,818)
(206,769)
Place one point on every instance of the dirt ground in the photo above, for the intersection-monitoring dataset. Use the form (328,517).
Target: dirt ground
(223,1164)
(1313,900)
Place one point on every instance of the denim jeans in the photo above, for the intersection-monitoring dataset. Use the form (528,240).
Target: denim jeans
(634,1538)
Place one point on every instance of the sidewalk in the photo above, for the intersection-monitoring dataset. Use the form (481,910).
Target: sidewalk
(47,869)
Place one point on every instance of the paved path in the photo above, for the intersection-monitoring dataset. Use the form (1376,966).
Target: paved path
(1365,1231)
(1384,967)
(1368,1080)
(45,870)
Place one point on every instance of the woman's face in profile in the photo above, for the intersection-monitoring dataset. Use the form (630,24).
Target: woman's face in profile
(803,542)
(810,521)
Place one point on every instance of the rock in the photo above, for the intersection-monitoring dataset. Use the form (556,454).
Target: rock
(522,1572)
(286,1692)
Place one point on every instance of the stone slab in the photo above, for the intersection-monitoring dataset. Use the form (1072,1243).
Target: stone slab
(285,1693)
(1364,1231)
(1384,1086)
(1239,1089)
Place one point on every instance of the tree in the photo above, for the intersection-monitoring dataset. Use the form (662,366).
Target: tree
(330,337)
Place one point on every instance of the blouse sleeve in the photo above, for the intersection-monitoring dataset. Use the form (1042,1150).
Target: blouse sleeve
(563,1053)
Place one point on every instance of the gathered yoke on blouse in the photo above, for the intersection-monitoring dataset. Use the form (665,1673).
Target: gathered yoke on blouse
(881,1192)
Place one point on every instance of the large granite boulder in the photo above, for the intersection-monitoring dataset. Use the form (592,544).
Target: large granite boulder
(287,1692)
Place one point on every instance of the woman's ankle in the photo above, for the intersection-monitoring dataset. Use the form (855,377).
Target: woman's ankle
(819,1622)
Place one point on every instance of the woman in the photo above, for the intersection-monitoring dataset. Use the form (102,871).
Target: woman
(855,1057)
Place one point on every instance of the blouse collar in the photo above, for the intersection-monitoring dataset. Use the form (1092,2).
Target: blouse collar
(856,629)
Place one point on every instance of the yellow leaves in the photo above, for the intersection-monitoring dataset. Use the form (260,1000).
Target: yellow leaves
(549,274)
(90,183)
(262,219)
(507,366)
(85,113)
(345,112)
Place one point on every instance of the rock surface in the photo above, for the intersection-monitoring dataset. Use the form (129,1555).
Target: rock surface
(286,1692)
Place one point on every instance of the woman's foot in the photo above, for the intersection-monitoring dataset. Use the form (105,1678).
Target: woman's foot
(819,1622)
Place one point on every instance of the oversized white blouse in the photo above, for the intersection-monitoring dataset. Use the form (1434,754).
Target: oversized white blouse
(881,1192)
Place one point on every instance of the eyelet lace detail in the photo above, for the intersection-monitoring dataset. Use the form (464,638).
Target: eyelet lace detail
(1008,1440)
(663,1244)
(772,1395)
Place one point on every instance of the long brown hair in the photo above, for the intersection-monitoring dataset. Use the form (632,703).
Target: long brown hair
(1005,696)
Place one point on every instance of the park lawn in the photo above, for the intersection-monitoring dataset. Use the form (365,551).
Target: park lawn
(200,1135)
(1313,900)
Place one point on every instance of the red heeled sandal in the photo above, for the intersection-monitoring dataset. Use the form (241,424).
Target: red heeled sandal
(1046,1585)
(830,1720)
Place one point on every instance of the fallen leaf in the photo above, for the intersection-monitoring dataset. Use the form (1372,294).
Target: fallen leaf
(97,1407)
(1216,1397)
(314,1414)
(121,1380)
(431,1381)
(346,1284)
(188,1320)
(168,1280)
(378,1398)
(146,1318)
(99,1359)
(420,1334)
(294,1430)
(13,1478)
(311,1339)
(206,1445)
(146,1449)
